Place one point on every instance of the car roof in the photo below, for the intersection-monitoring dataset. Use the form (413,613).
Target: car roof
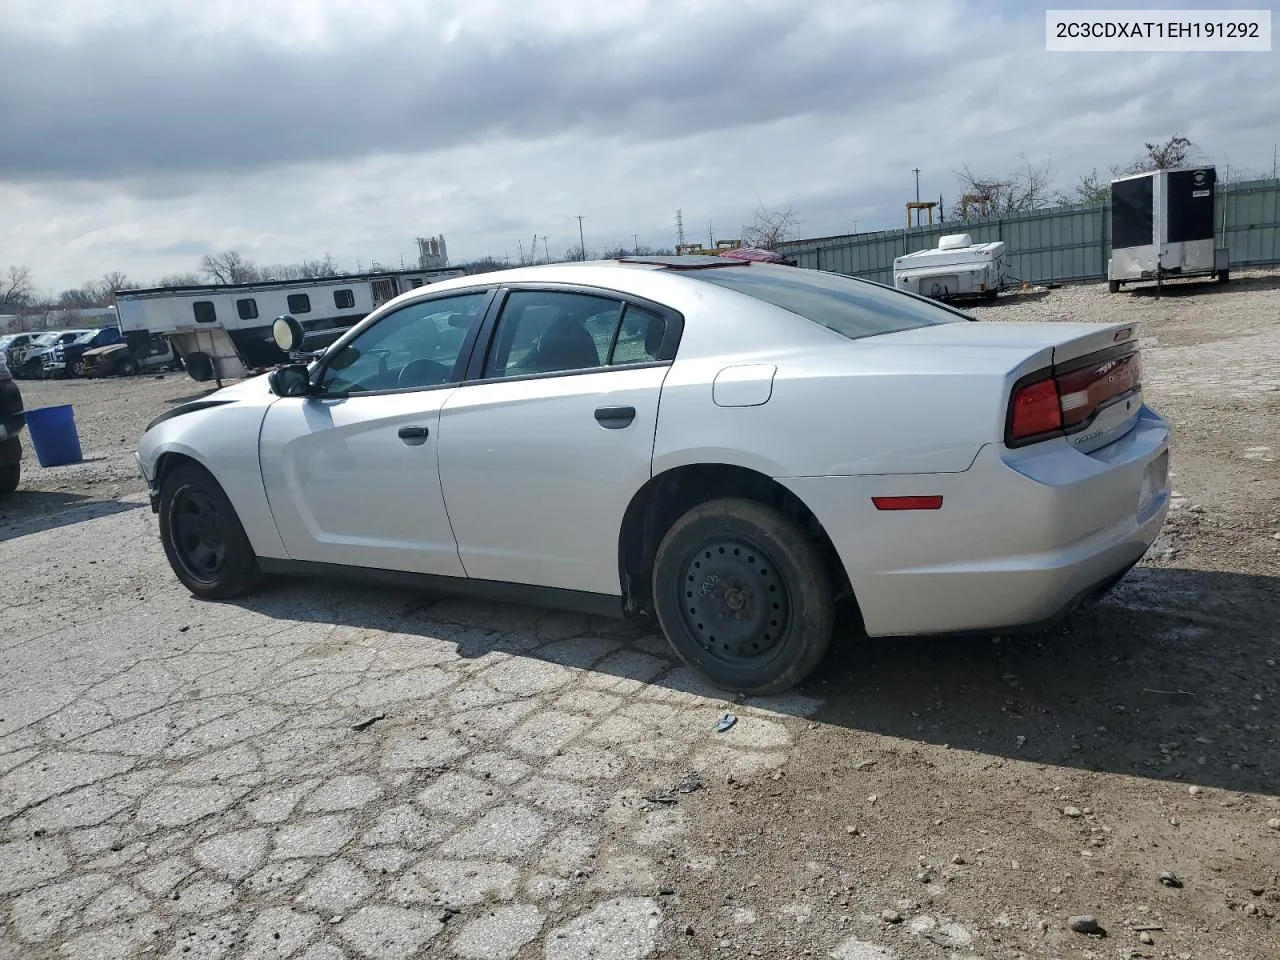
(727,321)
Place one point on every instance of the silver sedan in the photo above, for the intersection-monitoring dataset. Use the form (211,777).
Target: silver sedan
(730,447)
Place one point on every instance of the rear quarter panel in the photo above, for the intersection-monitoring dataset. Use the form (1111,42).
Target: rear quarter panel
(852,408)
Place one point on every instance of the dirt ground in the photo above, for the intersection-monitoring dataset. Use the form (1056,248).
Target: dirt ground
(941,798)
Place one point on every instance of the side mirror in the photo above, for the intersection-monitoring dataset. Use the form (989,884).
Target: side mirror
(288,334)
(291,381)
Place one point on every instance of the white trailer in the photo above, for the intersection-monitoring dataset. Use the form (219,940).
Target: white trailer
(224,331)
(957,268)
(1162,226)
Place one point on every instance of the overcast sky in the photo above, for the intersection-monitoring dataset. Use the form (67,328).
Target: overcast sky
(137,136)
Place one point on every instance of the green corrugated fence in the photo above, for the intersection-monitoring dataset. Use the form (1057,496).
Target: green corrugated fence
(1055,244)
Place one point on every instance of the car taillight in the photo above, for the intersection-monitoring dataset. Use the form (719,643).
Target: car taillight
(1035,410)
(1065,401)
(1087,388)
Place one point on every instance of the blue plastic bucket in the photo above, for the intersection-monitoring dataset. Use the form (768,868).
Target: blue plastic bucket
(53,434)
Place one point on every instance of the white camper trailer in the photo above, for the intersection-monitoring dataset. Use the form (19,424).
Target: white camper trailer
(1162,226)
(224,331)
(957,268)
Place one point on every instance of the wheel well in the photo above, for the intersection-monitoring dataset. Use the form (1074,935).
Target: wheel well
(169,462)
(670,495)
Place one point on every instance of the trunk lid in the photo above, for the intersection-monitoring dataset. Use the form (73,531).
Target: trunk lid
(1078,380)
(1047,343)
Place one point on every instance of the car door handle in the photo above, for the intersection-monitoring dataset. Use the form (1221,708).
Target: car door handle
(615,418)
(413,435)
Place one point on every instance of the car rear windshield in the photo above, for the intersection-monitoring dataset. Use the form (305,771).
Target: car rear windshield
(852,308)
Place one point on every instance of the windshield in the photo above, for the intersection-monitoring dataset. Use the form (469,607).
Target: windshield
(852,308)
(47,339)
(84,337)
(5,341)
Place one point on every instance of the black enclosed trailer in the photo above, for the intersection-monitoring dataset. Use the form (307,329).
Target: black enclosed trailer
(1162,226)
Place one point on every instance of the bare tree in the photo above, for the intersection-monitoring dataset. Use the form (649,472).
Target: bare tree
(112,282)
(228,267)
(1177,151)
(1089,190)
(180,280)
(15,287)
(483,265)
(770,228)
(84,296)
(1024,189)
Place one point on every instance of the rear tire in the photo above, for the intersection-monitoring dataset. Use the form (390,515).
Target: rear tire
(1224,276)
(1113,286)
(202,537)
(128,367)
(743,596)
(11,473)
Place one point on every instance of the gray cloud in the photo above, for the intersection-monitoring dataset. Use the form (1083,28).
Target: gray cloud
(127,102)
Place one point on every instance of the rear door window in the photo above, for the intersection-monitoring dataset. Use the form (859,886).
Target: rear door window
(852,308)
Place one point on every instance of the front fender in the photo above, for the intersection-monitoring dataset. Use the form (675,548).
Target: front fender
(223,439)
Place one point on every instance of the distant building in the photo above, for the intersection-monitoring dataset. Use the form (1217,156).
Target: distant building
(432,253)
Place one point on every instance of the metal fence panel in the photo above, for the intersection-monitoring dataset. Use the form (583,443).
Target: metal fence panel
(1059,244)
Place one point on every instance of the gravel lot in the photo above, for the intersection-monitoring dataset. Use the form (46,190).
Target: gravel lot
(327,772)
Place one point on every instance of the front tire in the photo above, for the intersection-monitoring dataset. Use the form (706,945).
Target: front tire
(203,539)
(743,596)
(78,368)
(1113,286)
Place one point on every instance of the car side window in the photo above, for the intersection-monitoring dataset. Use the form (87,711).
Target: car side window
(552,331)
(416,346)
(639,338)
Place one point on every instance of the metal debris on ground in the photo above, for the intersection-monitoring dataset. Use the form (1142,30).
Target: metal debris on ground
(660,796)
(689,783)
(368,722)
(1170,879)
(727,721)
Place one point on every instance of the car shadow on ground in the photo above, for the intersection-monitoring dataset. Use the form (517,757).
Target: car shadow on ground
(1186,288)
(1171,677)
(25,512)
(1009,298)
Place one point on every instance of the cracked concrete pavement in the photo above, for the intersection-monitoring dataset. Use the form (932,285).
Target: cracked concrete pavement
(185,779)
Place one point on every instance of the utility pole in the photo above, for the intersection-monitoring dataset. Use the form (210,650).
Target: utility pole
(582,244)
(679,230)
(636,239)
(711,237)
(916,171)
(545,249)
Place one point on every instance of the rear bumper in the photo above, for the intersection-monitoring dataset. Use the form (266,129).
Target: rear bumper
(1022,537)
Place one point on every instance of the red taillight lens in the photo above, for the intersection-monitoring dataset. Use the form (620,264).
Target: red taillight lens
(1036,410)
(1088,388)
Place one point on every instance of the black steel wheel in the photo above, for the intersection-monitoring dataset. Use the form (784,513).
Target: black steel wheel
(743,596)
(732,602)
(203,539)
